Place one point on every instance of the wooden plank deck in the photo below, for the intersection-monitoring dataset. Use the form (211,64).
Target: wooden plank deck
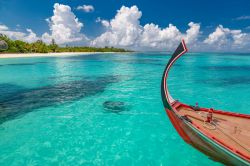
(232,131)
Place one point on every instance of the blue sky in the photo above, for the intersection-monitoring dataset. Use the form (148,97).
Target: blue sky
(19,15)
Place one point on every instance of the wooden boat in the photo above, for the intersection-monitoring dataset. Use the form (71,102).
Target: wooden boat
(223,136)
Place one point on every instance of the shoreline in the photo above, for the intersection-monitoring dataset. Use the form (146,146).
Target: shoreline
(62,54)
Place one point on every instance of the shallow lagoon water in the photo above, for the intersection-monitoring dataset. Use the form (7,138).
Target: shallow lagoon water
(52,109)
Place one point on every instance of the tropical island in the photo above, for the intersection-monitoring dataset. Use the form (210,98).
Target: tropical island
(8,45)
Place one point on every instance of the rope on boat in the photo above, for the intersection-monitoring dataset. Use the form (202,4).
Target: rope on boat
(209,125)
(232,138)
(215,126)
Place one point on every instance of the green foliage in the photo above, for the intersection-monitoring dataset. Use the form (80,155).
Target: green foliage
(18,46)
(53,46)
(39,47)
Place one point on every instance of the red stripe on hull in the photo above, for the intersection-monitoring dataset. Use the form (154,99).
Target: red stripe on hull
(194,139)
(178,124)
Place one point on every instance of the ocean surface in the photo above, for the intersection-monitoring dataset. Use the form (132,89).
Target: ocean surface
(106,109)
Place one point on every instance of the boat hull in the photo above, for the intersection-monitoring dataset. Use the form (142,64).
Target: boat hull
(204,144)
(197,127)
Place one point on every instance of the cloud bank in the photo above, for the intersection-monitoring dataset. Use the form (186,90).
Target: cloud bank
(125,30)
(28,35)
(225,38)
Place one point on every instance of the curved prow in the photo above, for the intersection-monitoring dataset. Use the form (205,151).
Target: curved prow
(166,97)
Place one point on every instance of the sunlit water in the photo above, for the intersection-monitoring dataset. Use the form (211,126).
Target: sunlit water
(53,110)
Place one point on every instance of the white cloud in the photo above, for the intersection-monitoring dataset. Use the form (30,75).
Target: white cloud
(3,28)
(155,37)
(86,8)
(169,37)
(125,31)
(219,36)
(239,38)
(64,26)
(192,33)
(225,38)
(242,18)
(105,23)
(31,36)
(28,36)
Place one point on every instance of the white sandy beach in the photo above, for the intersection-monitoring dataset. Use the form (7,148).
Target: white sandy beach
(27,55)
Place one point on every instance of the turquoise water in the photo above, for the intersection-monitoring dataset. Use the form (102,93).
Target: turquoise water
(54,112)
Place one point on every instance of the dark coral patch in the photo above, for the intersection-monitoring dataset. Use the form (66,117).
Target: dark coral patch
(22,101)
(115,106)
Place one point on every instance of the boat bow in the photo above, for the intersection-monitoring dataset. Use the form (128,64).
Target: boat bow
(166,97)
(221,135)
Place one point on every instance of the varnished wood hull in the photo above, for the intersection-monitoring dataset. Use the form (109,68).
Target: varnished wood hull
(204,144)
